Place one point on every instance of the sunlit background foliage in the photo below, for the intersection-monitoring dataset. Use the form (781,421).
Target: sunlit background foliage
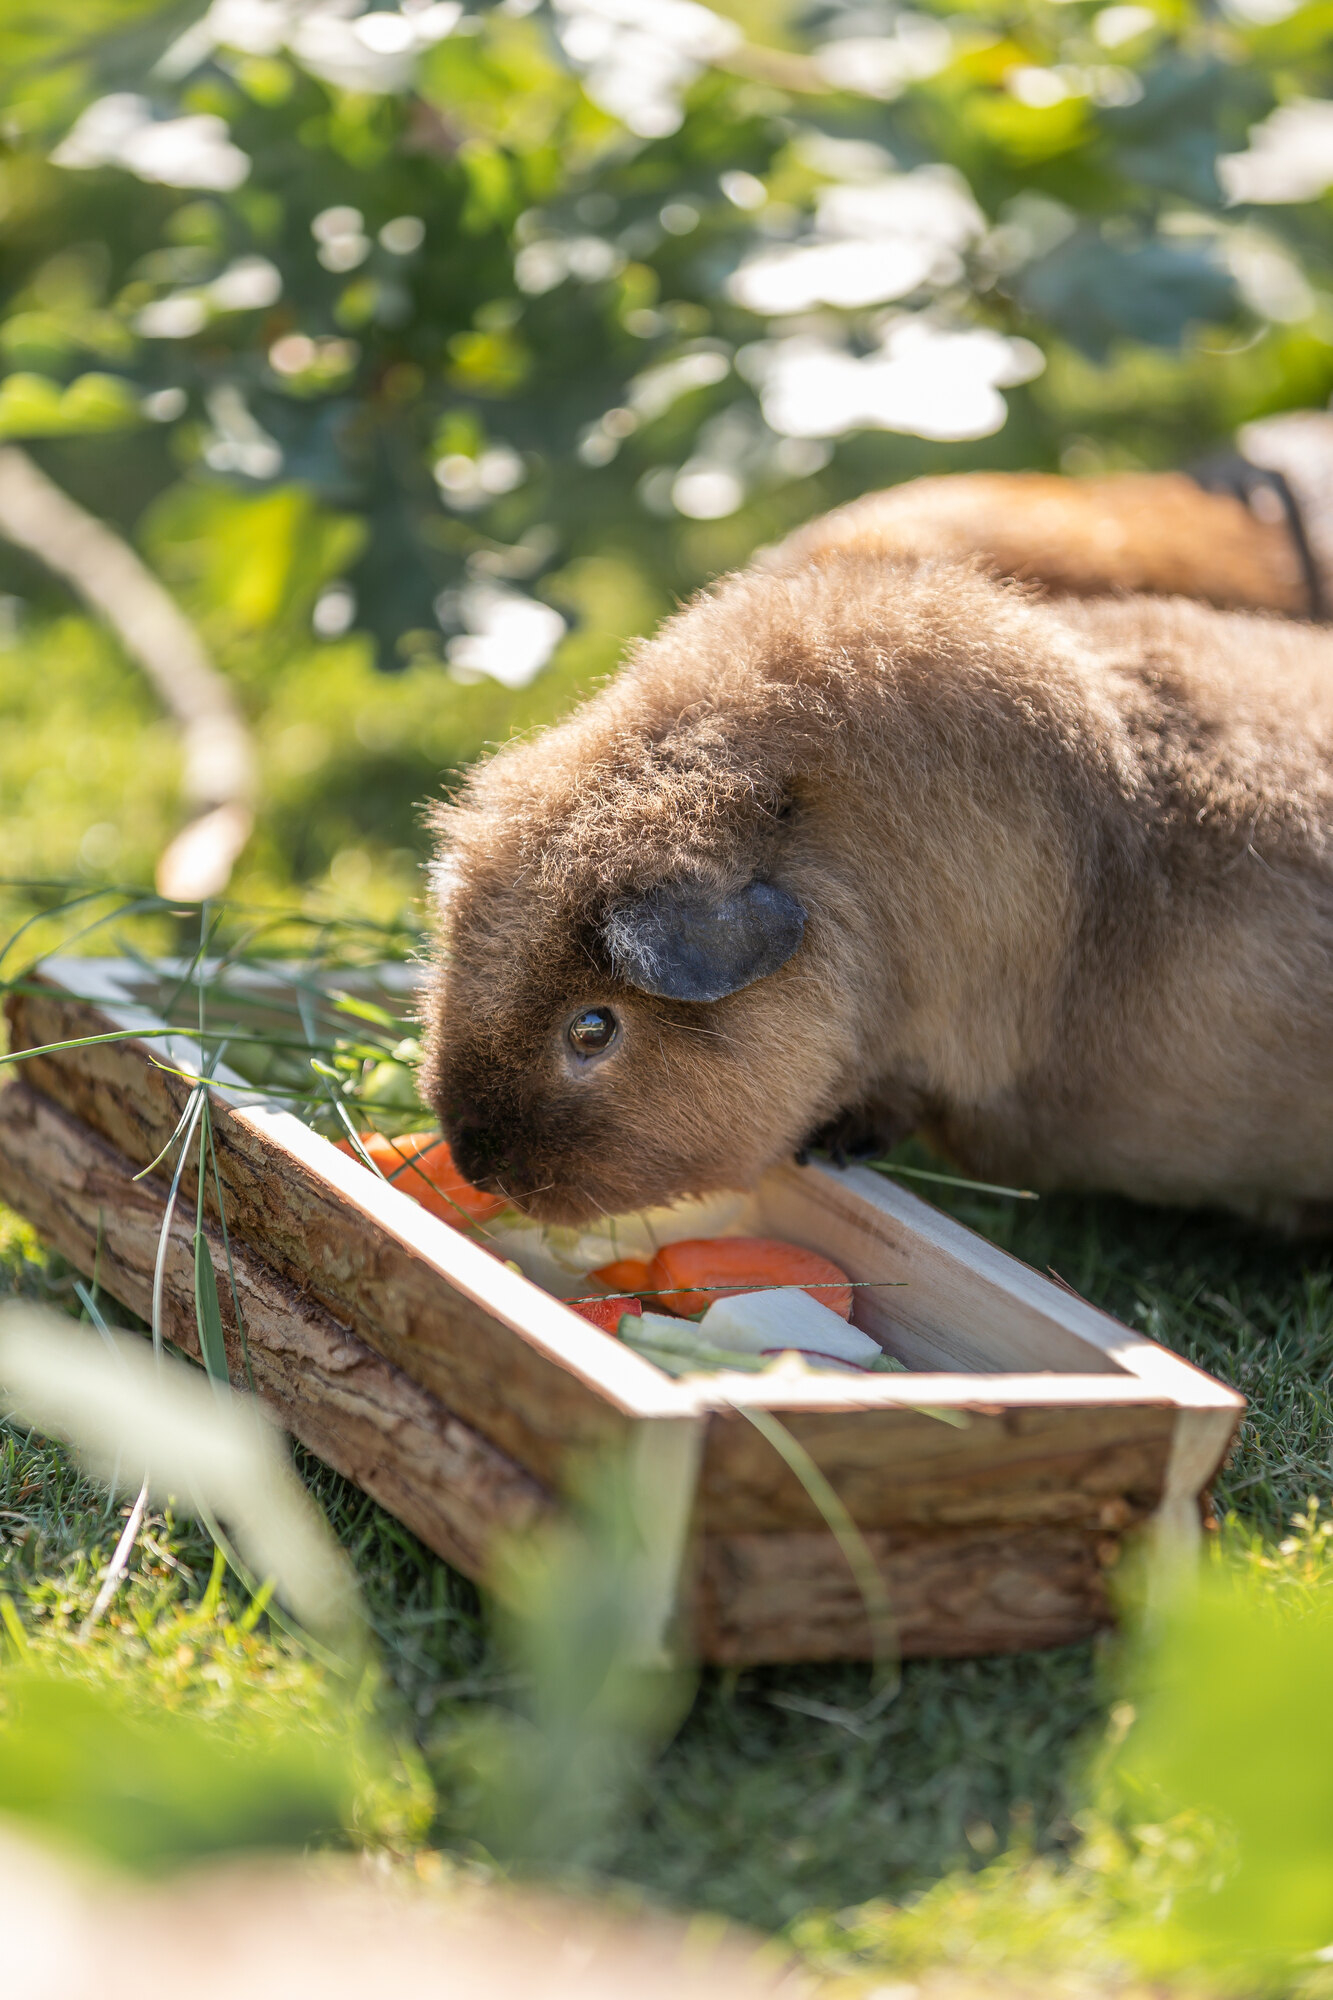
(428,354)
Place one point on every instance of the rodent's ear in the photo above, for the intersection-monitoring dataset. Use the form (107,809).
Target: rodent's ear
(681,944)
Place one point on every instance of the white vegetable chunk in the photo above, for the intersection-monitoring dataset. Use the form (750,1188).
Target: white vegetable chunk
(773,1322)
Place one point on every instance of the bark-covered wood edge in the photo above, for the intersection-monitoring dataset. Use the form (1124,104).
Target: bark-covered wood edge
(352,1408)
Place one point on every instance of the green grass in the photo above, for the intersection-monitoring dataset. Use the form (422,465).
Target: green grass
(755,1810)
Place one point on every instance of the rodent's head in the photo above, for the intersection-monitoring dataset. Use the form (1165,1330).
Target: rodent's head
(805,841)
(586,1068)
(633,999)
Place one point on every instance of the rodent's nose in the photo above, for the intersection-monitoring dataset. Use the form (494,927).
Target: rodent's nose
(480,1156)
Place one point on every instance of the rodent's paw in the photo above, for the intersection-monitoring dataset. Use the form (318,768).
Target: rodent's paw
(861,1132)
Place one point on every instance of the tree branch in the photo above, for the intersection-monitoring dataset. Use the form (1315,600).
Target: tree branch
(218,780)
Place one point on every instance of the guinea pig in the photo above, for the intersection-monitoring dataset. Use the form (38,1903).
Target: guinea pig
(858,846)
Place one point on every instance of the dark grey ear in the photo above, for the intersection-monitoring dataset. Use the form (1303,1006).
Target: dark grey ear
(683,944)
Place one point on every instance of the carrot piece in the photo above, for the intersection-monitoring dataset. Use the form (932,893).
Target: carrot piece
(627,1274)
(689,1276)
(606,1313)
(421,1164)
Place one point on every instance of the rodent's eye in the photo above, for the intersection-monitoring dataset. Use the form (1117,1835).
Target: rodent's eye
(592,1031)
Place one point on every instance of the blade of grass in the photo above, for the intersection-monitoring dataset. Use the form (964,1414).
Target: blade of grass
(739,1291)
(164,1234)
(207,1307)
(335,1662)
(208,923)
(364,1010)
(120,1559)
(950,1180)
(118,1564)
(149,1034)
(134,907)
(88,1300)
(188,1114)
(13,1624)
(40,917)
(231,1268)
(886,1673)
(208,1313)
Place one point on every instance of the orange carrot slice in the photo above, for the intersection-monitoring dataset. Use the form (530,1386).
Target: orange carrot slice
(421,1164)
(606,1313)
(690,1275)
(627,1274)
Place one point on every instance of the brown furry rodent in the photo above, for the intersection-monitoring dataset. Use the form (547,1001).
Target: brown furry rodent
(1053,882)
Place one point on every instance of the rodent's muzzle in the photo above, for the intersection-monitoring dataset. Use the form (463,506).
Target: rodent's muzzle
(484,1157)
(545,1149)
(493,1160)
(534,1178)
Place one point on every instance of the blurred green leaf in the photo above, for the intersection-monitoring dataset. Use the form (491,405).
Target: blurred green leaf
(546,1780)
(1234,1725)
(34,406)
(1094,292)
(147,1787)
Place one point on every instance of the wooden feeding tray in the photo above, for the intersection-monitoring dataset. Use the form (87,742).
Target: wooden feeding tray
(455,1391)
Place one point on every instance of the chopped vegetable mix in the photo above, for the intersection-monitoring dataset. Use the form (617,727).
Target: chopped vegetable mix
(680,1347)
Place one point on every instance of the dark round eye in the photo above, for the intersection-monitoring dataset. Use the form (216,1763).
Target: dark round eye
(592,1031)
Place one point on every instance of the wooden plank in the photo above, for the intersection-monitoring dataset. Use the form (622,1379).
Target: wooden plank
(1097,1468)
(353,1409)
(1199,1448)
(952,1593)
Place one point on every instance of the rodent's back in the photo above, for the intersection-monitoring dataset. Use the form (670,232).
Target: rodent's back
(1151,532)
(1236,709)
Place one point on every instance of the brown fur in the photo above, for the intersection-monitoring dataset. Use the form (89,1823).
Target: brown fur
(1127,531)
(1068,871)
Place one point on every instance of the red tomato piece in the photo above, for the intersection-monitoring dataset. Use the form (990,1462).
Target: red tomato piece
(606,1313)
